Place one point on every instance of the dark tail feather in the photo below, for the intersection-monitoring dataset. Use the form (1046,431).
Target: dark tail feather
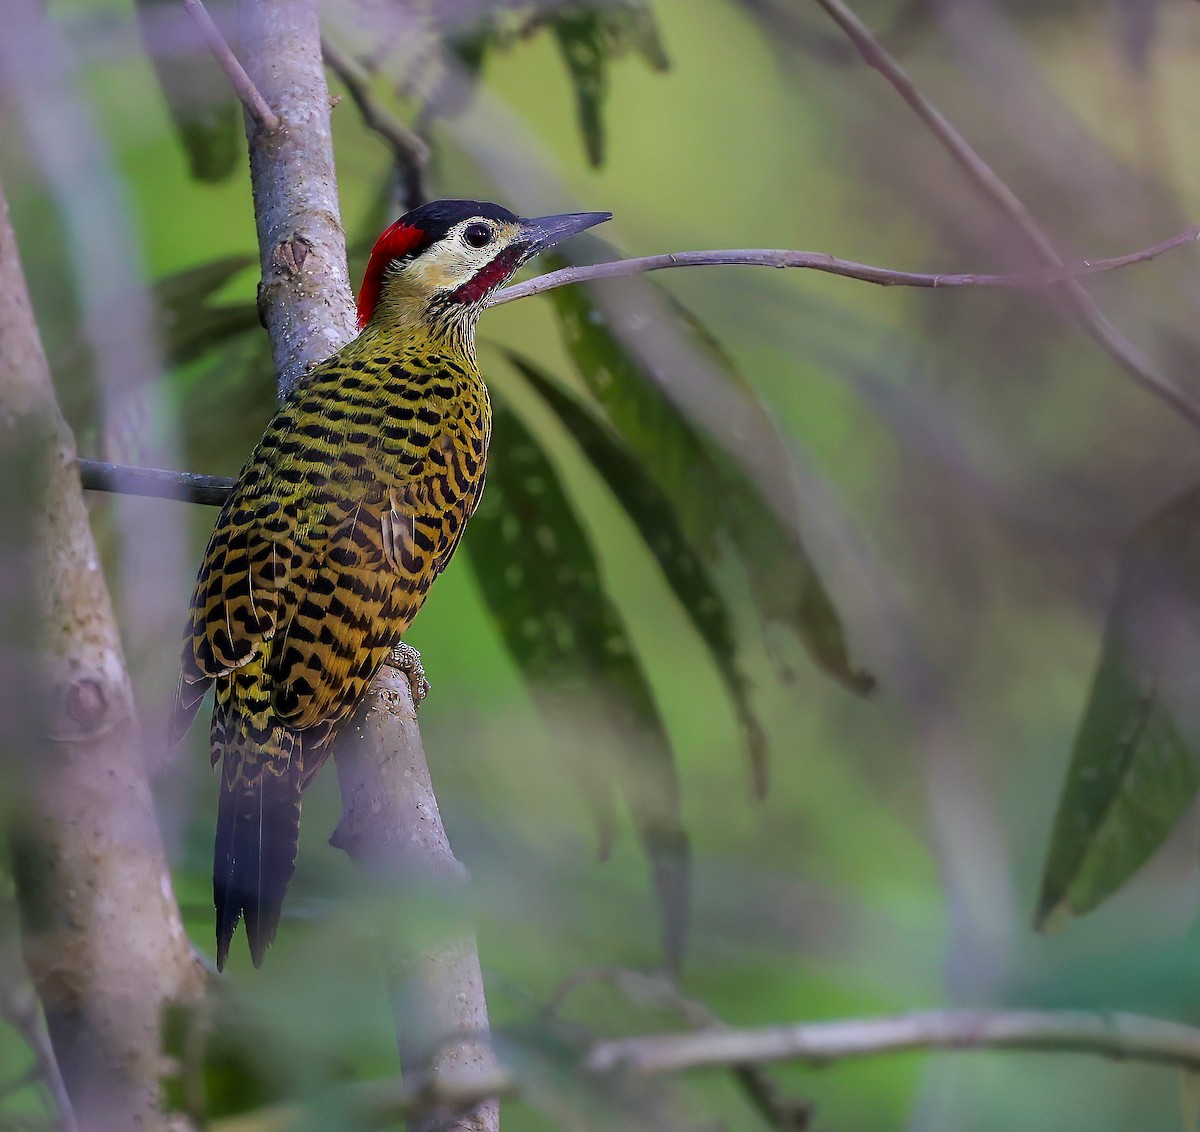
(258,832)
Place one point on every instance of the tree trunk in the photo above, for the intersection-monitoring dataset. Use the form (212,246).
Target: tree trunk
(101,930)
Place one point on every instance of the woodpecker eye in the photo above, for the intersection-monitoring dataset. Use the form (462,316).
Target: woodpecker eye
(477,235)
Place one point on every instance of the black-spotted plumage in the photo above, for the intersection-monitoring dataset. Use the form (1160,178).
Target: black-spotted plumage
(348,509)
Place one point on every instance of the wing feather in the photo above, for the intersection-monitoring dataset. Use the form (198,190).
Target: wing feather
(320,584)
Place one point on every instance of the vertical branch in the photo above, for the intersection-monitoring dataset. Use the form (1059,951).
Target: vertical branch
(100,927)
(391,828)
(390,822)
(304,299)
(21,1009)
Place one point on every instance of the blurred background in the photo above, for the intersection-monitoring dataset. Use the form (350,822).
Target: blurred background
(965,465)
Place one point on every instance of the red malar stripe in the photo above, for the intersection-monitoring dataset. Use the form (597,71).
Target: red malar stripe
(490,275)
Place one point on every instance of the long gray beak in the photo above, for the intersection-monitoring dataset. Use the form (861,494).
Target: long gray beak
(544,232)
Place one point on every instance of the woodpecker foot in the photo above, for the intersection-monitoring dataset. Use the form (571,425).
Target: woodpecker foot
(408,660)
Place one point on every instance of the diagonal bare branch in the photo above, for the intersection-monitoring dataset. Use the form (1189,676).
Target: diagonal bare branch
(1122,1037)
(408,147)
(256,106)
(1132,360)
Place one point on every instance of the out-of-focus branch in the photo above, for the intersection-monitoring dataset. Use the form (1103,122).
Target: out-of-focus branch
(252,100)
(1124,1037)
(307,307)
(1129,1037)
(101,931)
(407,146)
(20,1009)
(154,483)
(1136,365)
(822,261)
(391,827)
(779,1110)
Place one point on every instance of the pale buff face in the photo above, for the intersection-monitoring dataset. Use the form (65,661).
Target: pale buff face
(453,261)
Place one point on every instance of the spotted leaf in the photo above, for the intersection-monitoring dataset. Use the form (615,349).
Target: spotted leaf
(715,500)
(651,512)
(567,638)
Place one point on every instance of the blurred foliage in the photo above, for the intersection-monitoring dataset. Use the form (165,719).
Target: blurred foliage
(981,468)
(632,482)
(202,105)
(190,324)
(714,499)
(1135,767)
(542,583)
(589,37)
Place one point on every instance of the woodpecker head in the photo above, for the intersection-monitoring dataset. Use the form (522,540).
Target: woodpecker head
(441,262)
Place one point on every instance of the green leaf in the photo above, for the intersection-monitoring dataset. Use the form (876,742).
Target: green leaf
(714,500)
(589,37)
(196,285)
(1135,766)
(187,327)
(651,512)
(218,1067)
(188,323)
(579,41)
(225,401)
(469,45)
(541,581)
(202,105)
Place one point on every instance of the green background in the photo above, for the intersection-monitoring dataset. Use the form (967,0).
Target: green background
(970,461)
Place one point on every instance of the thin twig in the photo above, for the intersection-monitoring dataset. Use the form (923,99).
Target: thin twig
(409,148)
(19,1008)
(1126,1036)
(1133,361)
(821,261)
(256,106)
(787,29)
(789,1114)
